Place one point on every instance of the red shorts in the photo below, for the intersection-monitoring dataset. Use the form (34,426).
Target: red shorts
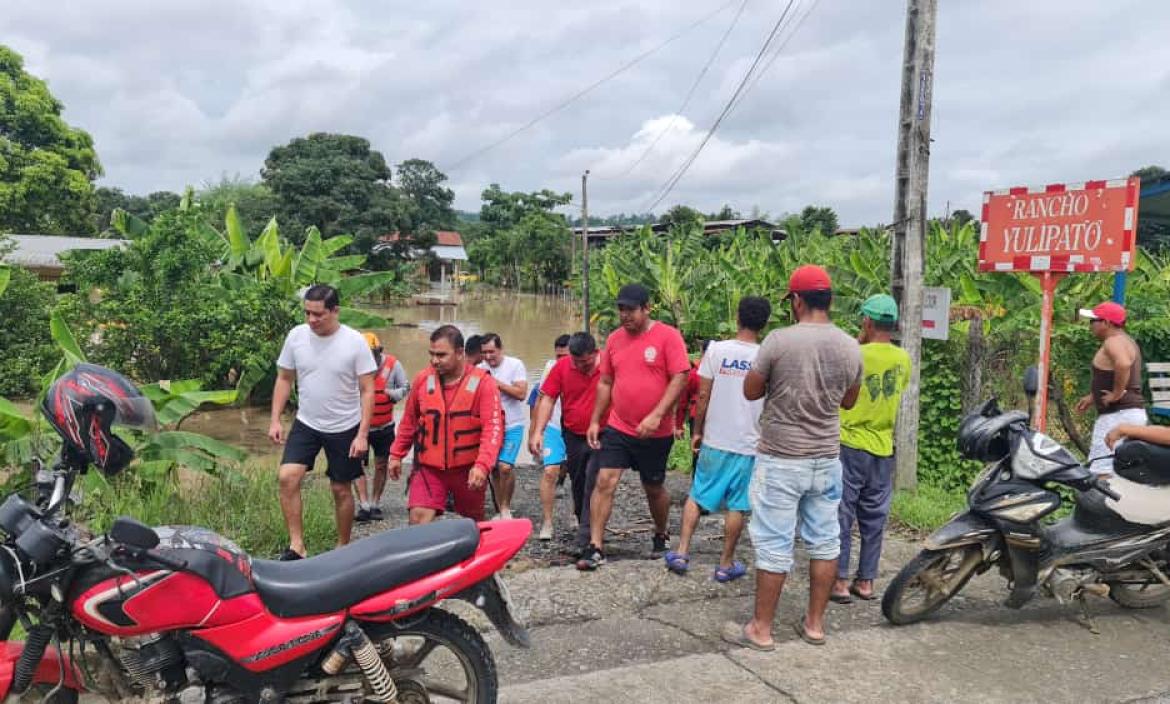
(429,488)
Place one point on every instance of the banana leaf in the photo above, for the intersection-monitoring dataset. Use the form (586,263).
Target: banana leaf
(5,276)
(65,340)
(237,238)
(356,318)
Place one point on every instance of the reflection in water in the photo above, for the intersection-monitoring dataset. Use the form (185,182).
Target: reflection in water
(527,325)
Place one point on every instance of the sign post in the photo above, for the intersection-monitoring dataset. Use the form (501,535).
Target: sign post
(936,313)
(1052,231)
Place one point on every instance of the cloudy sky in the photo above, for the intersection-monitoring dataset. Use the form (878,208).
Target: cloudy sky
(179,93)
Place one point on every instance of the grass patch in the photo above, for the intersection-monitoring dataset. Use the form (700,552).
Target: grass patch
(244,507)
(927,508)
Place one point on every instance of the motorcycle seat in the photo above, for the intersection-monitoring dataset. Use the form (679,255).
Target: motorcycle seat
(1143,462)
(1140,503)
(340,578)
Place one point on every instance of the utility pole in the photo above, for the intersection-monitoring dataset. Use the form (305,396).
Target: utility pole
(908,245)
(585,247)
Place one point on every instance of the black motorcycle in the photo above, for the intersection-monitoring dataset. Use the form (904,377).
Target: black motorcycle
(1115,543)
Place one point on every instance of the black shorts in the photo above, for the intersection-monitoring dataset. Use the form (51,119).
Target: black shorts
(304,443)
(648,456)
(380,441)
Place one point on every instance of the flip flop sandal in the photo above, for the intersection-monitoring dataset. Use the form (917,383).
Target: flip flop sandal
(799,628)
(860,595)
(841,598)
(723,575)
(737,635)
(677,563)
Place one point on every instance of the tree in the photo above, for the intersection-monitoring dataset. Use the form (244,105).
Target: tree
(683,217)
(726,213)
(428,204)
(821,218)
(520,237)
(961,217)
(255,203)
(47,168)
(1151,233)
(145,208)
(336,183)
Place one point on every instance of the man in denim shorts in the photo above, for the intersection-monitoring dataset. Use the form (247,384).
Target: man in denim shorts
(805,373)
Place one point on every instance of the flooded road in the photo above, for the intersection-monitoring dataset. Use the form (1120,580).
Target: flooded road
(527,324)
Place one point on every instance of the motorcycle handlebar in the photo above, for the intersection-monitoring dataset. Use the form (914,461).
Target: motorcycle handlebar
(1100,485)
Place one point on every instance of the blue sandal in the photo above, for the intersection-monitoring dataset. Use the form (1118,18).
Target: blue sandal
(723,575)
(677,563)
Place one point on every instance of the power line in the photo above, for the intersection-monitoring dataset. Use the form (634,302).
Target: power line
(677,176)
(690,94)
(583,92)
(776,54)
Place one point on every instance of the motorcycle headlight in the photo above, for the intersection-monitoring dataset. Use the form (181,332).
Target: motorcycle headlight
(1025,513)
(1038,455)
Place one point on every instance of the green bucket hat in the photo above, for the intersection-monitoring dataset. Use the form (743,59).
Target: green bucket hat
(880,308)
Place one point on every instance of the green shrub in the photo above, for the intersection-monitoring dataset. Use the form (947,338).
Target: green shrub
(928,507)
(27,349)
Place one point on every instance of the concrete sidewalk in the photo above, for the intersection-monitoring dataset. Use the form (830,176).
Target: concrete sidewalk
(632,632)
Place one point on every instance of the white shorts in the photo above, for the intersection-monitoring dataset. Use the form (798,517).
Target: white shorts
(1105,423)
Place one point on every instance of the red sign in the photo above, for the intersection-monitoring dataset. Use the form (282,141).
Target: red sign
(1060,227)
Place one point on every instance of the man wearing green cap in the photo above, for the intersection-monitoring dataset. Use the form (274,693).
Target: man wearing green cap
(867,447)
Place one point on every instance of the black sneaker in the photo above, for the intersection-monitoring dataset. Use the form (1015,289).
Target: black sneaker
(362,516)
(591,559)
(658,548)
(376,514)
(289,555)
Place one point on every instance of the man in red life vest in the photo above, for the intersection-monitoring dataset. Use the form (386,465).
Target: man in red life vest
(453,420)
(390,387)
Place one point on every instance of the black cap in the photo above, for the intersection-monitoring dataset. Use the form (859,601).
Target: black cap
(633,296)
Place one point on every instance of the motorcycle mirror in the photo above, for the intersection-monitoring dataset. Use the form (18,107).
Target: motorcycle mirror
(133,533)
(1032,381)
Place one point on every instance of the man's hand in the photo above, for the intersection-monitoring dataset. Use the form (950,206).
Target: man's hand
(649,425)
(536,444)
(476,478)
(679,432)
(360,446)
(276,432)
(1110,397)
(1113,436)
(1085,403)
(395,468)
(696,442)
(592,436)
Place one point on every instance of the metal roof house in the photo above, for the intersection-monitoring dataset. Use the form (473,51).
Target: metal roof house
(41,253)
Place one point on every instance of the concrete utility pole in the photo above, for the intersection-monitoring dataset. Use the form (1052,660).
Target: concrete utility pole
(908,250)
(585,247)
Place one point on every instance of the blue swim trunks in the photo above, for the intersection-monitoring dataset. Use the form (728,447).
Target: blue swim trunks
(554,447)
(513,438)
(722,480)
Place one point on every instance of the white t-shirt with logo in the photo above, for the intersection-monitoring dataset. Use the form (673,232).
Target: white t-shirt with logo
(327,368)
(510,371)
(733,422)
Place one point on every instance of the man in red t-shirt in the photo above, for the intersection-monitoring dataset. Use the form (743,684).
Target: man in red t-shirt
(643,370)
(573,380)
(460,469)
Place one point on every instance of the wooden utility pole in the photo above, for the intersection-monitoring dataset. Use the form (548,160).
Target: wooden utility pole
(585,247)
(908,245)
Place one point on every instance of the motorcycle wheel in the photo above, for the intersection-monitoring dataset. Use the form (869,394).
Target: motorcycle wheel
(1138,596)
(929,581)
(443,654)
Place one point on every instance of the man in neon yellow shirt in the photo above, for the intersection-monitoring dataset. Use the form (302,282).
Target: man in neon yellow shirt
(867,447)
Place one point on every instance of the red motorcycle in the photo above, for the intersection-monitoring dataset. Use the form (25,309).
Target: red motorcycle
(180,614)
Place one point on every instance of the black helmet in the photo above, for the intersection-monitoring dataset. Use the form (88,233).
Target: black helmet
(985,434)
(85,403)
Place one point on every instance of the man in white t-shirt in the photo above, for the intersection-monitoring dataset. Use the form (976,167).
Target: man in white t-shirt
(551,451)
(512,379)
(727,429)
(334,373)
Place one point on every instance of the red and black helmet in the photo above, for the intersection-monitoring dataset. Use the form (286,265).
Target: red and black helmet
(83,406)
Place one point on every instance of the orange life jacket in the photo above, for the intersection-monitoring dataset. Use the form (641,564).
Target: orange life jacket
(383,405)
(448,438)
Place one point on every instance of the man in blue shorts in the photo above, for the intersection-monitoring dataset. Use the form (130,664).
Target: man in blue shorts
(725,433)
(512,379)
(552,447)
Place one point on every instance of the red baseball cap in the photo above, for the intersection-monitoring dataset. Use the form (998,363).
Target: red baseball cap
(809,277)
(1108,311)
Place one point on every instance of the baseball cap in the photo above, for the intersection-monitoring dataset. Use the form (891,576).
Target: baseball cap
(633,296)
(1108,311)
(372,340)
(809,277)
(880,308)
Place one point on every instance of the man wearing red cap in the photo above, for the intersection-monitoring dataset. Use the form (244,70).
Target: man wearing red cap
(806,373)
(1116,385)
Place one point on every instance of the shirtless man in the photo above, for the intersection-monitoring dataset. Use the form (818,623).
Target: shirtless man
(1116,386)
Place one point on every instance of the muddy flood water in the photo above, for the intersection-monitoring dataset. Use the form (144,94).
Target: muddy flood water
(526,323)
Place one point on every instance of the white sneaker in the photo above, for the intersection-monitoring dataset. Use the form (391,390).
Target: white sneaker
(503,516)
(546,531)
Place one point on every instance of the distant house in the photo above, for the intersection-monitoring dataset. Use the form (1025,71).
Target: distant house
(41,253)
(447,253)
(601,233)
